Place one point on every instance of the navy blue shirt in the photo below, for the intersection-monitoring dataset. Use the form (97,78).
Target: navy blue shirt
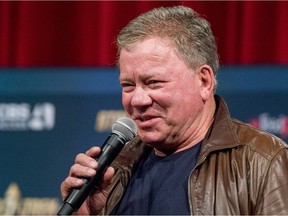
(160,185)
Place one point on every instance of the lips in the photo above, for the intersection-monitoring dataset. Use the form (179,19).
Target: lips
(144,118)
(145,121)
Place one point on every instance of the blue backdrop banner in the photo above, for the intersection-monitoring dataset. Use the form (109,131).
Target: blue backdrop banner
(48,116)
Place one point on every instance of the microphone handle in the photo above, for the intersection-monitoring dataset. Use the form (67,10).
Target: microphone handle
(112,146)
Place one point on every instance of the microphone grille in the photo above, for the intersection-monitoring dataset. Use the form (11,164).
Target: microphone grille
(125,127)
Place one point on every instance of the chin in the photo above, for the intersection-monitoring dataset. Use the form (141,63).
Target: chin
(150,139)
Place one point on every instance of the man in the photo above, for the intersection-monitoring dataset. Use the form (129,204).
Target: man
(190,156)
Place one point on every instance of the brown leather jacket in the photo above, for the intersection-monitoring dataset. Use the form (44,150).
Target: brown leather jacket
(240,170)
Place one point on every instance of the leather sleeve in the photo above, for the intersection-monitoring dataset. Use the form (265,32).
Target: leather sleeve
(274,197)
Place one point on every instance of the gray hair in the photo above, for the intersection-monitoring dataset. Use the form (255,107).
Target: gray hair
(190,34)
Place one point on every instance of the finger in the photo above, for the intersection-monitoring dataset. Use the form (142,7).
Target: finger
(69,184)
(85,160)
(94,151)
(79,171)
(107,177)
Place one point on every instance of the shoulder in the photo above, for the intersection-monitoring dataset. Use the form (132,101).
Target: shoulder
(259,141)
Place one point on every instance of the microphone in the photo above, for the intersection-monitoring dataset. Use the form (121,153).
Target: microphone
(123,130)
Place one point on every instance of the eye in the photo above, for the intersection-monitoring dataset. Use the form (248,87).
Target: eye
(154,83)
(151,82)
(127,87)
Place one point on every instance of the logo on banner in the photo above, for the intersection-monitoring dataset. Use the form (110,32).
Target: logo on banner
(14,204)
(23,116)
(106,118)
(276,125)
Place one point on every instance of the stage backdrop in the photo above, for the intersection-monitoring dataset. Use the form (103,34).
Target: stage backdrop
(82,33)
(47,116)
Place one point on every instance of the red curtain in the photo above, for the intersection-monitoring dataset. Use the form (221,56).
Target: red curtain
(82,33)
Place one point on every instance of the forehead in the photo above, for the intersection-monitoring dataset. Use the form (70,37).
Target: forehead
(152,52)
(149,45)
(148,54)
(153,48)
(151,57)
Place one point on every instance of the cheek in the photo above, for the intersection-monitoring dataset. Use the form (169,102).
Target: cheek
(126,102)
(186,100)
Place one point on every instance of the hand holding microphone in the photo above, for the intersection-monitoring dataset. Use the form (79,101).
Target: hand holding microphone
(83,179)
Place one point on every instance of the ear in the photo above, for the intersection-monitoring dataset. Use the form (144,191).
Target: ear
(207,81)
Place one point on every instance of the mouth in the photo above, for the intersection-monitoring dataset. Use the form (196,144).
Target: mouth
(144,118)
(146,121)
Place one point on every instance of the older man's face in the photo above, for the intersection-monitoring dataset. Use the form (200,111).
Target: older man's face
(160,93)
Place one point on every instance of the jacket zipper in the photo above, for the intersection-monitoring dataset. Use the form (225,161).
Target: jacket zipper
(189,185)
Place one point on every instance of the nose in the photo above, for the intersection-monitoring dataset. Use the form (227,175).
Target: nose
(141,97)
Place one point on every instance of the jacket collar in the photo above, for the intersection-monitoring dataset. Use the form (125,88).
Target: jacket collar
(221,134)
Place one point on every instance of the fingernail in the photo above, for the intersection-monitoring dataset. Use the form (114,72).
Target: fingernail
(93,164)
(78,182)
(91,171)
